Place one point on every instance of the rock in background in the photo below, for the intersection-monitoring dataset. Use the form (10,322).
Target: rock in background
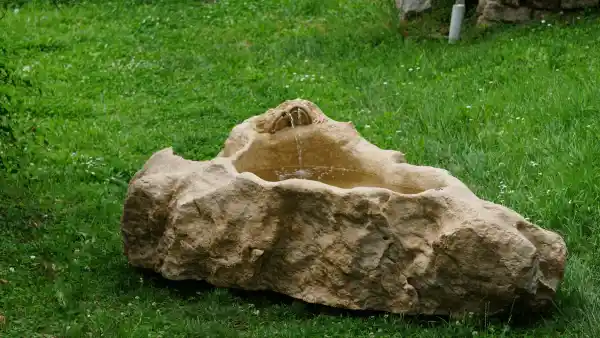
(508,11)
(520,11)
(408,7)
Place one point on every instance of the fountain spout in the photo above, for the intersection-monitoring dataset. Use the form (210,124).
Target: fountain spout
(291,114)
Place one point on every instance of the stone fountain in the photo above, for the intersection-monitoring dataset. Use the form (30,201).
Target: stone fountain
(302,205)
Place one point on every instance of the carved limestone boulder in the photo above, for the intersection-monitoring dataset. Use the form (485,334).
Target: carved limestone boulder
(302,205)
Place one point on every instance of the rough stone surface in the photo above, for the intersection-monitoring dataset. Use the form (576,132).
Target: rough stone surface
(519,11)
(578,4)
(491,11)
(545,5)
(408,7)
(373,233)
(508,11)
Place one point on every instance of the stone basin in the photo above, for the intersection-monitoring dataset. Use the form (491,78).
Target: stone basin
(300,204)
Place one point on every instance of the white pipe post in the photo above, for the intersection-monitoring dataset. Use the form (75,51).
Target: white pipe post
(458,13)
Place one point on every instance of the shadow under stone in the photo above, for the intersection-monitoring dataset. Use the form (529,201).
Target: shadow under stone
(185,289)
(518,318)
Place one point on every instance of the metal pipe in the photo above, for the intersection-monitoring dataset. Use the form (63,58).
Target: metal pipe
(458,14)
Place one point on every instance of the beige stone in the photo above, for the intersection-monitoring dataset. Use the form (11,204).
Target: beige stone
(496,11)
(515,11)
(549,6)
(344,224)
(541,14)
(410,7)
(579,4)
(511,3)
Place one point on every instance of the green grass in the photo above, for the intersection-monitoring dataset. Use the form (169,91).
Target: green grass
(514,113)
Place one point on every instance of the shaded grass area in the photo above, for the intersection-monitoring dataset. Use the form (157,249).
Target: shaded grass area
(512,113)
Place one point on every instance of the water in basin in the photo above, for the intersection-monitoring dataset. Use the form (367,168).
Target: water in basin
(339,177)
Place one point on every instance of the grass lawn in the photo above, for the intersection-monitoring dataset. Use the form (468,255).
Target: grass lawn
(513,113)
